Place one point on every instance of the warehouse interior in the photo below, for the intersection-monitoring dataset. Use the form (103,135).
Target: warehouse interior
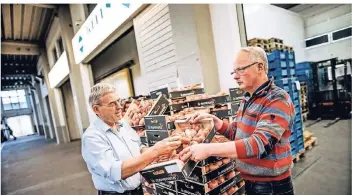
(182,54)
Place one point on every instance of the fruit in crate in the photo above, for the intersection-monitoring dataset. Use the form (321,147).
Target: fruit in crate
(137,110)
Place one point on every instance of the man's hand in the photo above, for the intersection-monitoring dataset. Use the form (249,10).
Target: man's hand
(166,146)
(195,152)
(195,118)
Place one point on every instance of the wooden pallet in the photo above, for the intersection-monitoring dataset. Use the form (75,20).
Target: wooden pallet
(263,46)
(307,135)
(275,40)
(298,156)
(257,40)
(308,144)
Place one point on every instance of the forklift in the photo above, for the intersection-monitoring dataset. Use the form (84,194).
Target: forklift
(332,90)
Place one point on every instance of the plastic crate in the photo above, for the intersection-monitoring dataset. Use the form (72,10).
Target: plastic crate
(278,64)
(292,138)
(277,54)
(291,55)
(291,63)
(303,66)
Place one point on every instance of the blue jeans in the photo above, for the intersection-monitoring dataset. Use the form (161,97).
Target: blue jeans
(283,187)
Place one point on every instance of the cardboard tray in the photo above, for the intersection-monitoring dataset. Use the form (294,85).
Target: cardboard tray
(208,102)
(199,175)
(240,191)
(174,169)
(155,136)
(236,93)
(163,190)
(178,107)
(184,93)
(192,188)
(160,106)
(158,122)
(222,113)
(222,99)
(163,91)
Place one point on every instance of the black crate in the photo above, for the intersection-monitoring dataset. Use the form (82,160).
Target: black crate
(178,94)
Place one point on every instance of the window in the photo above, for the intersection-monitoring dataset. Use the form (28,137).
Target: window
(341,34)
(13,100)
(315,41)
(54,53)
(61,45)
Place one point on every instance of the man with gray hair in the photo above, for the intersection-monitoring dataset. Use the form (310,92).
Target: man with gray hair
(112,150)
(260,132)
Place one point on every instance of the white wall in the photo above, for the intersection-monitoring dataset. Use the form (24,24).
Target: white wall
(319,19)
(227,41)
(266,21)
(50,42)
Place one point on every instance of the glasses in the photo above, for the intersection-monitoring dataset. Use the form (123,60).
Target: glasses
(242,69)
(113,104)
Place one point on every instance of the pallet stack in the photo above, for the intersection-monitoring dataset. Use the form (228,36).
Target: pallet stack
(282,68)
(269,45)
(304,100)
(305,74)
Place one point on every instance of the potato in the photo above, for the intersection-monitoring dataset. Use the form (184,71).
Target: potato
(231,190)
(213,184)
(226,160)
(221,179)
(213,167)
(219,163)
(230,175)
(141,122)
(206,168)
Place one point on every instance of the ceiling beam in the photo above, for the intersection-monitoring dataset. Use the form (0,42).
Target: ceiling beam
(28,9)
(18,69)
(48,6)
(17,21)
(6,15)
(19,48)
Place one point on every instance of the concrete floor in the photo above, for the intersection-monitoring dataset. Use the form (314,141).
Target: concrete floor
(34,166)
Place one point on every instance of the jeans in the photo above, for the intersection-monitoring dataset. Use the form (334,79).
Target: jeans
(283,187)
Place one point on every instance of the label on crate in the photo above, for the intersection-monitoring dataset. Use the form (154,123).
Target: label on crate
(159,122)
(202,103)
(164,91)
(209,160)
(168,172)
(155,136)
(191,188)
(160,106)
(222,99)
(197,175)
(169,185)
(178,107)
(236,93)
(176,94)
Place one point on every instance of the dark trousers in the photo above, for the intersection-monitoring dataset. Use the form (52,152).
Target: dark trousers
(137,191)
(283,187)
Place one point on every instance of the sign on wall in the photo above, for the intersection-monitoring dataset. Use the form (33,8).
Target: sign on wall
(100,24)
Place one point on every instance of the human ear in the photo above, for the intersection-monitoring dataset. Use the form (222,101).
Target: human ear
(95,109)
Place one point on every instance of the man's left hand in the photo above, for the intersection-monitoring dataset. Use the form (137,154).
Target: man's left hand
(195,152)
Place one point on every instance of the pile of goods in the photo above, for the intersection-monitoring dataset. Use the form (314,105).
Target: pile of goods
(136,111)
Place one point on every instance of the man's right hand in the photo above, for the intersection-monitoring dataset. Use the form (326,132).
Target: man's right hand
(167,146)
(195,118)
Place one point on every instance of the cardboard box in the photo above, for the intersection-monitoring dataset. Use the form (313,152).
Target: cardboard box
(192,188)
(200,176)
(234,108)
(164,91)
(177,94)
(155,136)
(159,107)
(175,169)
(163,190)
(236,93)
(144,140)
(158,122)
(222,99)
(168,184)
(209,102)
(178,107)
(240,191)
(209,160)
(222,113)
